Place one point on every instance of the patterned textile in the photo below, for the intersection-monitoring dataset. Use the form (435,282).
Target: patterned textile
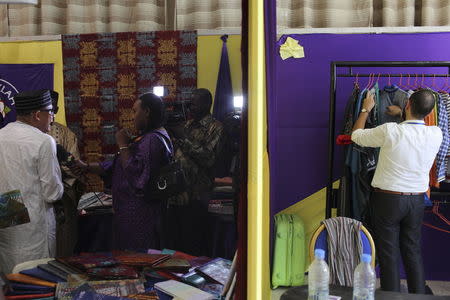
(85,262)
(345,243)
(118,272)
(441,165)
(12,210)
(178,265)
(105,73)
(65,137)
(117,288)
(141,259)
(152,295)
(87,295)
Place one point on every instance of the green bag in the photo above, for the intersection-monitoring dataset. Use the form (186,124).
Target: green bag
(289,258)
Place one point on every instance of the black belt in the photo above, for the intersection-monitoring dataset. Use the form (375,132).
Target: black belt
(396,193)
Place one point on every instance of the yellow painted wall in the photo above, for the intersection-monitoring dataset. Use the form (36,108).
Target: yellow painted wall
(209,49)
(312,211)
(38,53)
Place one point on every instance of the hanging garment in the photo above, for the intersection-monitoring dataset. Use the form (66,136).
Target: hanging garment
(362,162)
(349,119)
(344,194)
(430,120)
(443,125)
(446,102)
(391,95)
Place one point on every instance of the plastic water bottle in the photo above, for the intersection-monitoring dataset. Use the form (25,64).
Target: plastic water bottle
(364,280)
(318,277)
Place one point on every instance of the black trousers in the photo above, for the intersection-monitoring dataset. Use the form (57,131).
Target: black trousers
(187,228)
(396,221)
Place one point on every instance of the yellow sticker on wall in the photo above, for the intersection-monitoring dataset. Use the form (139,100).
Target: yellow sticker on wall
(291,48)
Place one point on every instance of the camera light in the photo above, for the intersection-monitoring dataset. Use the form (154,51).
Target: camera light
(238,101)
(158,90)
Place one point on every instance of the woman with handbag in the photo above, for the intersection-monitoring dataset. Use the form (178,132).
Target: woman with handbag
(138,212)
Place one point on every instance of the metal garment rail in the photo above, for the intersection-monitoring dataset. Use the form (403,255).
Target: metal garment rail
(332,113)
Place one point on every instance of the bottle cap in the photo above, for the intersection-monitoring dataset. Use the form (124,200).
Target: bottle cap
(367,258)
(319,253)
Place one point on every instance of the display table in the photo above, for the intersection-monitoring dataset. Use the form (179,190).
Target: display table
(94,233)
(301,292)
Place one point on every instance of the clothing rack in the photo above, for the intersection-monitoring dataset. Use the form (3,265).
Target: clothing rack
(350,73)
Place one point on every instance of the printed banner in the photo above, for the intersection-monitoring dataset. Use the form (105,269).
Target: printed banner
(15,78)
(105,73)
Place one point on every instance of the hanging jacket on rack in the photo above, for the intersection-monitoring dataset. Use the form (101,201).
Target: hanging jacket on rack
(344,195)
(443,125)
(362,162)
(349,117)
(391,95)
(446,101)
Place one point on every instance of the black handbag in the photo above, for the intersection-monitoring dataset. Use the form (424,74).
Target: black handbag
(171,179)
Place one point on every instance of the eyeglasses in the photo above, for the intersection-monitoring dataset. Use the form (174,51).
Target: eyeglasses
(50,111)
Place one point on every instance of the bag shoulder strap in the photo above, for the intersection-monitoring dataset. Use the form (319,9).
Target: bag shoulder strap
(164,139)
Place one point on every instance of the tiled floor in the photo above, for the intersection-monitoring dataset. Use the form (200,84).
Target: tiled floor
(441,288)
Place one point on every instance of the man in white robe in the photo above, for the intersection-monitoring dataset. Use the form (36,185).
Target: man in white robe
(28,163)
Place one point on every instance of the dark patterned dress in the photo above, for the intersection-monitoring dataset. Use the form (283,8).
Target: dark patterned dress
(137,221)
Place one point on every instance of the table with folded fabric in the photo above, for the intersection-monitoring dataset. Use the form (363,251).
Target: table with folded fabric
(301,292)
(119,274)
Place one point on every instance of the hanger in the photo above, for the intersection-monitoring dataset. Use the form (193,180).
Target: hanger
(408,85)
(400,84)
(444,88)
(415,82)
(370,81)
(378,78)
(389,80)
(433,83)
(356,80)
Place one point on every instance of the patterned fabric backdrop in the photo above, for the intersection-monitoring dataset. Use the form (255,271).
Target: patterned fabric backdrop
(105,73)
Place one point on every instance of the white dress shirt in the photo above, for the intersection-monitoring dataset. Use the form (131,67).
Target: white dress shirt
(407,153)
(28,163)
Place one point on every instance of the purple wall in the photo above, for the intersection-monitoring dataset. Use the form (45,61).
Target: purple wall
(298,117)
(298,114)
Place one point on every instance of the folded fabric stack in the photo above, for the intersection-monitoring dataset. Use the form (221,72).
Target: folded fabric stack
(222,198)
(113,288)
(34,283)
(119,275)
(95,203)
(209,275)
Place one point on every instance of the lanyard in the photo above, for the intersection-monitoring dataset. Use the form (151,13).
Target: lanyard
(415,123)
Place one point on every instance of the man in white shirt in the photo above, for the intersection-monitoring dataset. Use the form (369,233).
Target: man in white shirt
(407,153)
(29,164)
